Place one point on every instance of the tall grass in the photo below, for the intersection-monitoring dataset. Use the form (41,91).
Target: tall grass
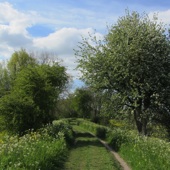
(44,149)
(140,152)
(146,153)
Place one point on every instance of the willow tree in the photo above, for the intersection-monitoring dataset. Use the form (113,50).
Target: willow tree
(133,64)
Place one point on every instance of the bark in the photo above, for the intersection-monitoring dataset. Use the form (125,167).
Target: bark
(141,123)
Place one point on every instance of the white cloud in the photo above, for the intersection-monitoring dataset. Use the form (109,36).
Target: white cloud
(62,42)
(14,35)
(14,40)
(14,21)
(163,16)
(5,51)
(78,20)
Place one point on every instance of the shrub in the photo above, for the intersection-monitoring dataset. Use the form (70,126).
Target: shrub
(64,127)
(139,151)
(43,149)
(117,137)
(98,130)
(101,132)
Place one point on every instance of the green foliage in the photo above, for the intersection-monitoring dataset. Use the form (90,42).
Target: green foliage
(34,93)
(118,137)
(82,102)
(131,65)
(20,60)
(4,80)
(35,150)
(154,152)
(43,83)
(116,123)
(99,130)
(64,127)
(65,107)
(19,113)
(142,152)
(139,151)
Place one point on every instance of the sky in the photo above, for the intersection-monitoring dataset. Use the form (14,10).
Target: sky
(57,26)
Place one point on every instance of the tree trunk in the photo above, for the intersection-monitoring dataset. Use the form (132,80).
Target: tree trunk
(141,123)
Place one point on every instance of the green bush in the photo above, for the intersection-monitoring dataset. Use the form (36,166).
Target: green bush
(98,130)
(117,137)
(139,151)
(64,127)
(43,149)
(101,132)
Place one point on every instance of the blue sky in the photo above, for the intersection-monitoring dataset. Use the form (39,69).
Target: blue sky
(56,26)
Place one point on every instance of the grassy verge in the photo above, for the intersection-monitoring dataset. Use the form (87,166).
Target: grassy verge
(89,153)
(44,149)
(139,152)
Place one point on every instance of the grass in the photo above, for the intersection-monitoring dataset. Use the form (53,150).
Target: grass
(48,149)
(89,154)
(33,151)
(45,149)
(138,151)
(147,153)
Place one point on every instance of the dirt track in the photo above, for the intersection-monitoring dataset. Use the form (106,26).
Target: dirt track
(116,155)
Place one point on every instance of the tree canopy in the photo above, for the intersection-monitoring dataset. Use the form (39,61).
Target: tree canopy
(132,64)
(18,61)
(31,101)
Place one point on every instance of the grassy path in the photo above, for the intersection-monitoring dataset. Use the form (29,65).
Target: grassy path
(89,154)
